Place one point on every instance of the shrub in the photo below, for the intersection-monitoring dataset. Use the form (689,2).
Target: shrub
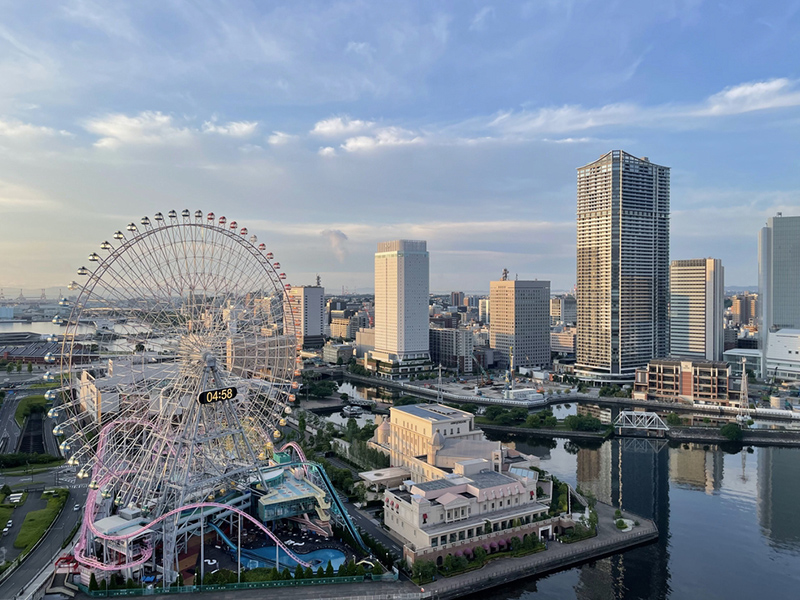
(618,514)
(732,432)
(621,524)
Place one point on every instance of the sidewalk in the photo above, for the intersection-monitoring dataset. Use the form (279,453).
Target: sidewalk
(557,556)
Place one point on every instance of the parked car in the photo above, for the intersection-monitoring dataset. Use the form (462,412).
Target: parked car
(5,531)
(10,523)
(76,508)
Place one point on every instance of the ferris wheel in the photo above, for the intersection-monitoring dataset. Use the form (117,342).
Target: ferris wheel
(178,364)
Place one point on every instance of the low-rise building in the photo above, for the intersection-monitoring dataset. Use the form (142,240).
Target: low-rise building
(473,506)
(751,357)
(331,353)
(783,355)
(692,382)
(562,339)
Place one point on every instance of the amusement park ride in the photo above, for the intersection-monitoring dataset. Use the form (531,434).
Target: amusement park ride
(180,433)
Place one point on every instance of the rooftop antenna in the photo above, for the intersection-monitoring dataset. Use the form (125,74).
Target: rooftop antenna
(43,296)
(505,275)
(319,280)
(21,296)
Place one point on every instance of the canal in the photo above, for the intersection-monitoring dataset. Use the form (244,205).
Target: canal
(729,521)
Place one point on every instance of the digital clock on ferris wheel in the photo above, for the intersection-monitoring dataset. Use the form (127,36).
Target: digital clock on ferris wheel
(211,396)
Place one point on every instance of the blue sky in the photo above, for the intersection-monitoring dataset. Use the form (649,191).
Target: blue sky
(326,127)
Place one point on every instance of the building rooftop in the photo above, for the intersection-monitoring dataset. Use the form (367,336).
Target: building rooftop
(433,412)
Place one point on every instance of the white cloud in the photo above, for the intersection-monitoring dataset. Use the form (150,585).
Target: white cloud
(735,100)
(747,97)
(340,127)
(388,136)
(146,128)
(237,129)
(17,129)
(279,138)
(327,151)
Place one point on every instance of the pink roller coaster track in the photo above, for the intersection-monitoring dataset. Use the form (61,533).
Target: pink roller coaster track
(89,515)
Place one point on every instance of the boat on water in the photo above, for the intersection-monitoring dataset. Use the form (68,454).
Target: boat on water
(352,411)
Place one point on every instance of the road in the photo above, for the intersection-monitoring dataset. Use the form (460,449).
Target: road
(64,524)
(9,430)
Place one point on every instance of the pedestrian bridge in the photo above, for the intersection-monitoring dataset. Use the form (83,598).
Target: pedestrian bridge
(633,422)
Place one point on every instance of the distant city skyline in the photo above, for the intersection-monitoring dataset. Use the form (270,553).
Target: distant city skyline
(327,128)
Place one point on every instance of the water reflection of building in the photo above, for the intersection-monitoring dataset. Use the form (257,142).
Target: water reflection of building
(696,468)
(603,413)
(778,490)
(635,474)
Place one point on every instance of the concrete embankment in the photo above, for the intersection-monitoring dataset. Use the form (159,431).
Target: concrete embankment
(609,540)
(553,433)
(752,437)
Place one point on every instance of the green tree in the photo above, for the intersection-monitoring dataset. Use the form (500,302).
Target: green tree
(19,367)
(30,367)
(301,425)
(93,587)
(339,360)
(320,572)
(732,431)
(533,422)
(309,573)
(329,570)
(673,420)
(9,368)
(493,412)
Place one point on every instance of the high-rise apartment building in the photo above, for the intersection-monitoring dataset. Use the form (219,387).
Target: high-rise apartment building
(778,279)
(456,298)
(308,303)
(452,348)
(697,306)
(744,309)
(520,322)
(623,266)
(401,309)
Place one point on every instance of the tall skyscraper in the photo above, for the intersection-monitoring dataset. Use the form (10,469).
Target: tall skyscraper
(402,294)
(778,278)
(308,304)
(697,306)
(520,322)
(623,266)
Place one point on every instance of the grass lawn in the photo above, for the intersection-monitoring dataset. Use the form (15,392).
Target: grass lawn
(23,410)
(37,521)
(47,386)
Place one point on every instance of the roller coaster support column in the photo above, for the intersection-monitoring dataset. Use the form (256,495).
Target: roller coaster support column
(239,552)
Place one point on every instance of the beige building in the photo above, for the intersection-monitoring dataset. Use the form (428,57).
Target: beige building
(474,506)
(308,305)
(520,322)
(430,440)
(697,307)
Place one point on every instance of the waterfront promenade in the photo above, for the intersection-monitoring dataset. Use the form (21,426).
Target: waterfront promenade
(498,572)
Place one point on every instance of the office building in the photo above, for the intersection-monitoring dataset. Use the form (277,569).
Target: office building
(778,278)
(623,266)
(520,322)
(456,298)
(308,305)
(483,310)
(563,310)
(401,309)
(697,307)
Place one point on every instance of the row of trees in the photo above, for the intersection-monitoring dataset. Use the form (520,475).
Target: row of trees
(583,423)
(12,366)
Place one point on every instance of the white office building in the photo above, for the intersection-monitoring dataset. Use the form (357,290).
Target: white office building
(402,292)
(778,281)
(308,305)
(520,322)
(483,310)
(623,266)
(697,307)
